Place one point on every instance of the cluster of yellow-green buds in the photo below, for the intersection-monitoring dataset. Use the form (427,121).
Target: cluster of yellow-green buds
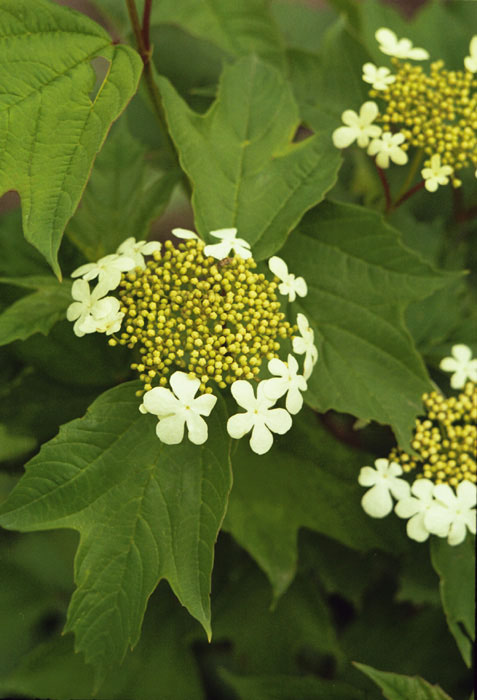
(201,318)
(434,112)
(441,499)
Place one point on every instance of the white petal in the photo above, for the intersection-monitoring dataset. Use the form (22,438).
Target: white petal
(344,136)
(261,439)
(438,520)
(160,401)
(462,353)
(423,488)
(377,502)
(301,288)
(74,310)
(449,364)
(170,430)
(83,270)
(457,381)
(457,532)
(407,507)
(278,367)
(445,494)
(368,112)
(274,388)
(204,404)
(151,247)
(467,494)
(184,387)
(219,251)
(367,476)
(416,528)
(80,291)
(294,401)
(226,234)
(184,233)
(278,420)
(239,425)
(197,428)
(278,267)
(242,392)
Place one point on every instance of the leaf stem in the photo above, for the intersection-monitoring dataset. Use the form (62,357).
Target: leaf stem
(144,47)
(385,184)
(416,161)
(409,193)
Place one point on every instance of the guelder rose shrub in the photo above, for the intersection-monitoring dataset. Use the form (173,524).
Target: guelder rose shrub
(237,319)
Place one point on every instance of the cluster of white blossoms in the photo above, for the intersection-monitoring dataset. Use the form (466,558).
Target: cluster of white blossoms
(442,498)
(201,311)
(434,113)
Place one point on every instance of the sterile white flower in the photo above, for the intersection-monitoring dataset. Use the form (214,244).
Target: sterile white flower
(89,309)
(415,507)
(175,410)
(387,147)
(110,324)
(379,78)
(305,345)
(453,513)
(462,364)
(290,284)
(400,48)
(436,174)
(185,234)
(287,381)
(138,249)
(358,127)
(470,62)
(108,270)
(229,243)
(259,417)
(377,502)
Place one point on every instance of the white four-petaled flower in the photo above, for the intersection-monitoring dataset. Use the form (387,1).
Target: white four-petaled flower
(359,127)
(138,249)
(400,48)
(108,270)
(287,381)
(305,344)
(462,364)
(90,310)
(178,409)
(384,480)
(229,243)
(436,174)
(259,417)
(388,147)
(453,513)
(290,285)
(470,62)
(379,78)
(415,506)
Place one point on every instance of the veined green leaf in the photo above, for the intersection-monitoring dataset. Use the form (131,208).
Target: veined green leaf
(123,196)
(37,312)
(398,687)
(144,510)
(456,569)
(360,279)
(50,127)
(245,170)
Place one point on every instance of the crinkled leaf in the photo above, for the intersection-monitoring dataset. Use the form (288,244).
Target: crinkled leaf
(360,279)
(50,127)
(144,510)
(289,688)
(124,195)
(37,312)
(397,687)
(245,171)
(299,483)
(456,569)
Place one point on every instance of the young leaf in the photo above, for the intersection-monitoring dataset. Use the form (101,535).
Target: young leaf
(360,279)
(245,171)
(37,312)
(397,687)
(456,569)
(144,510)
(50,127)
(276,494)
(123,196)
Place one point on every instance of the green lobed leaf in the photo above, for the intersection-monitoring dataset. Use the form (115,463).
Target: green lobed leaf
(124,195)
(144,510)
(17,256)
(245,171)
(456,569)
(289,688)
(299,484)
(397,687)
(50,127)
(360,279)
(37,312)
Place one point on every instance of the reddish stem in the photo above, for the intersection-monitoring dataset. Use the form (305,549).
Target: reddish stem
(146,21)
(385,184)
(409,193)
(467,215)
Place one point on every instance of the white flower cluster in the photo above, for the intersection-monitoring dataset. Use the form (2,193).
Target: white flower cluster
(94,311)
(429,508)
(178,407)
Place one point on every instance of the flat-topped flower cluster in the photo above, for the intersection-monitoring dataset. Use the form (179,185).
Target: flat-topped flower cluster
(434,112)
(201,317)
(442,498)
